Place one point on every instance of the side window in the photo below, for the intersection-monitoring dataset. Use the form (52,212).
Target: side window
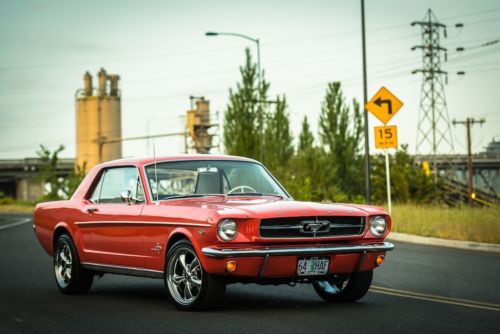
(114,181)
(94,198)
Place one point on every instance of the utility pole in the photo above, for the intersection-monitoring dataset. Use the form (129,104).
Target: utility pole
(365,100)
(470,171)
(433,121)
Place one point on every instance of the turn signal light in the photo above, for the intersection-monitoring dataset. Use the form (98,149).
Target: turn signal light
(380,259)
(231,266)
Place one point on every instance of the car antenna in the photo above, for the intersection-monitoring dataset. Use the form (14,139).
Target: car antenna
(156,173)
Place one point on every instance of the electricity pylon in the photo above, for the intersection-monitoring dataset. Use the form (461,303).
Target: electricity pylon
(433,122)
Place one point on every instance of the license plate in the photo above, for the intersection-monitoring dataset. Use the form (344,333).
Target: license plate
(313,266)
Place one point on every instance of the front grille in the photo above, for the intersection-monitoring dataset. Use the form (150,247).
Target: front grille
(305,227)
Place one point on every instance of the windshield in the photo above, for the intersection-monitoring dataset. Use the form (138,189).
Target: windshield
(197,178)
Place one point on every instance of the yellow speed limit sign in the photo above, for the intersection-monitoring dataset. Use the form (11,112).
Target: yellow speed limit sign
(386,136)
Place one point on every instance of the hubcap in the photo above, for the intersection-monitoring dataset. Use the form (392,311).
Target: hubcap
(63,264)
(184,277)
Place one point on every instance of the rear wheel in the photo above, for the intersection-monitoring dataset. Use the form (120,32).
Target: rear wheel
(188,286)
(345,288)
(71,278)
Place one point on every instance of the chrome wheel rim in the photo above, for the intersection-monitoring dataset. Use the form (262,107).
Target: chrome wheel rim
(63,264)
(184,277)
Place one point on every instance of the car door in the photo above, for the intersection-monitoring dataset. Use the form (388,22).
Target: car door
(112,231)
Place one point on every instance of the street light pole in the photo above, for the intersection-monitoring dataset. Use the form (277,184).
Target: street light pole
(259,77)
(365,99)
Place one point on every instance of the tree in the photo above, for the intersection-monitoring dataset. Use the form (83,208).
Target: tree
(58,187)
(307,179)
(341,132)
(241,118)
(278,141)
(306,137)
(48,172)
(75,178)
(409,183)
(303,178)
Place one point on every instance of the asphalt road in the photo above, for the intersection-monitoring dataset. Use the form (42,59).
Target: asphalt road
(419,289)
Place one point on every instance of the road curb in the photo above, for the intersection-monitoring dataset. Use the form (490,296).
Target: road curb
(467,245)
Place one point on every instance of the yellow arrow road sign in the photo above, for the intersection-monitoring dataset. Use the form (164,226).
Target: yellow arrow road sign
(384,105)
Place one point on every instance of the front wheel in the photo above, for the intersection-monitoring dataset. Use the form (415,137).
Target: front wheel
(71,278)
(345,288)
(188,286)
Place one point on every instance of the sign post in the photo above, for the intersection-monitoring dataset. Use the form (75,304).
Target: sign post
(387,137)
(388,180)
(384,105)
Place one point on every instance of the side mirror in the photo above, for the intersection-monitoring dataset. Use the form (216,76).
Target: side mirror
(126,196)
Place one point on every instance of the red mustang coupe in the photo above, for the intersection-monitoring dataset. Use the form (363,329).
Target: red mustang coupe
(200,222)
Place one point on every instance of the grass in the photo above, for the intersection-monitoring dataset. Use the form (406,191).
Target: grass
(463,223)
(17,208)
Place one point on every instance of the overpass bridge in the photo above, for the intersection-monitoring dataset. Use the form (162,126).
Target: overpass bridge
(20,178)
(452,170)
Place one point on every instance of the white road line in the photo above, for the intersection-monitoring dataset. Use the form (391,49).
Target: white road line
(435,298)
(20,222)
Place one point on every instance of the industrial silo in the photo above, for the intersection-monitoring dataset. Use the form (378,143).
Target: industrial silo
(98,121)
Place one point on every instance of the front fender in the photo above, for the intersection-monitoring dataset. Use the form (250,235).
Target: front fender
(193,239)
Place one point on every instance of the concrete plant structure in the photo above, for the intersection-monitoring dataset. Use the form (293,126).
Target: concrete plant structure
(98,120)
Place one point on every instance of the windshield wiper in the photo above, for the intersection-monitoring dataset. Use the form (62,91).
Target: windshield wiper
(255,194)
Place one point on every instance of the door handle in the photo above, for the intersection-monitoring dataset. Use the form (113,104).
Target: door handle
(92,210)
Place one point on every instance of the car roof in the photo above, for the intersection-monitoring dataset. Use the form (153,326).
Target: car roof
(179,157)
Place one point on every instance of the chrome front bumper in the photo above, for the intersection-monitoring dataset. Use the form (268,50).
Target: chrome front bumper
(284,251)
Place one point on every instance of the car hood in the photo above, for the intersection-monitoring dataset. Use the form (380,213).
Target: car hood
(267,207)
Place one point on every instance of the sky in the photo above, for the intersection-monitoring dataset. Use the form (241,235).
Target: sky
(162,55)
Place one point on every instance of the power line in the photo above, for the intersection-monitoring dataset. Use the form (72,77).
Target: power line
(483,21)
(381,71)
(223,71)
(488,43)
(482,12)
(192,75)
(473,56)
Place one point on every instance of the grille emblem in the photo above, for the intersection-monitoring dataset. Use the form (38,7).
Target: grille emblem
(314,226)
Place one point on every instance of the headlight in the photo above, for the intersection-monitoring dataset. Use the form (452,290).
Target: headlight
(378,226)
(227,229)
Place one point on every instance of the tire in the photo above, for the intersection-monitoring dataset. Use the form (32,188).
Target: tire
(70,277)
(346,288)
(188,286)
